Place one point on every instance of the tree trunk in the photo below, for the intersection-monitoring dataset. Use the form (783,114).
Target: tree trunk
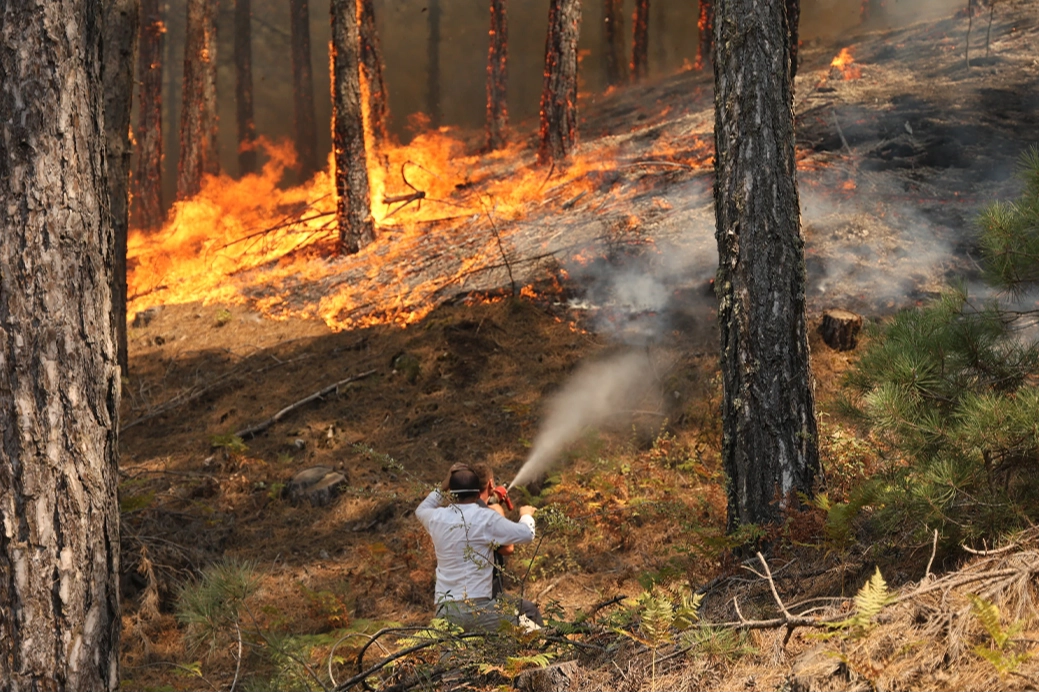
(353,206)
(374,85)
(59,375)
(705,49)
(613,40)
(559,96)
(769,443)
(303,89)
(498,75)
(793,19)
(147,197)
(243,63)
(121,18)
(640,41)
(198,149)
(433,60)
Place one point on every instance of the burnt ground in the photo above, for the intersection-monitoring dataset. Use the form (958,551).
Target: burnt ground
(894,165)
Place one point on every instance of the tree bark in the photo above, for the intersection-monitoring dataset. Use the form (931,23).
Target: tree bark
(121,18)
(559,97)
(640,41)
(243,63)
(793,19)
(198,115)
(705,49)
(613,40)
(353,206)
(498,75)
(59,375)
(769,442)
(147,197)
(303,89)
(374,85)
(433,61)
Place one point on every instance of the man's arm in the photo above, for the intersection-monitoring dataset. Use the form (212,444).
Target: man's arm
(425,509)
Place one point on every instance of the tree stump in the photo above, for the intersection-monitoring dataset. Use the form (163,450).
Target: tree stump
(840,329)
(555,677)
(319,485)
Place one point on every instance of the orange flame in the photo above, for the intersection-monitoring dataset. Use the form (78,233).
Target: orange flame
(845,63)
(252,240)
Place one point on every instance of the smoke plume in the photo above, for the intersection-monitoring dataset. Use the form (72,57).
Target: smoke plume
(600,393)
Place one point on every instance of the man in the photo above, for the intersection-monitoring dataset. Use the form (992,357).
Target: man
(466,533)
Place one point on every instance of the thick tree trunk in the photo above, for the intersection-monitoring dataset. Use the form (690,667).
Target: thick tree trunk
(559,96)
(613,42)
(59,377)
(353,206)
(373,84)
(303,89)
(793,19)
(198,148)
(769,444)
(243,63)
(705,49)
(433,62)
(498,75)
(121,18)
(640,41)
(148,181)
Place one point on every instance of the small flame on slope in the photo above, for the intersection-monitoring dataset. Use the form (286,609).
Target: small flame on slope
(844,62)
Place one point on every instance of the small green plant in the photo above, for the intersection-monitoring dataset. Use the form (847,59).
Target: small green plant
(660,612)
(223,316)
(869,602)
(211,608)
(232,445)
(1002,657)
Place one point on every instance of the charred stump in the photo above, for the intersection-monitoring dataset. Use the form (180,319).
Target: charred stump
(497,75)
(769,433)
(640,41)
(793,21)
(243,63)
(198,116)
(613,40)
(840,329)
(373,84)
(705,49)
(559,97)
(433,65)
(303,89)
(353,206)
(121,19)
(147,195)
(59,375)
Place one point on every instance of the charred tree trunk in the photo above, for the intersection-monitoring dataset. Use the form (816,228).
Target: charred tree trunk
(374,85)
(640,41)
(243,63)
(433,60)
(559,96)
(705,50)
(198,149)
(498,75)
(59,377)
(303,89)
(148,181)
(769,442)
(793,19)
(121,18)
(613,40)
(353,206)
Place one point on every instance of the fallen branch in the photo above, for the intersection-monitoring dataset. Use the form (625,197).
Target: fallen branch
(264,425)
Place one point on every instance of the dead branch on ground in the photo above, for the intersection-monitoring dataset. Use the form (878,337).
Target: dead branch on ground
(264,425)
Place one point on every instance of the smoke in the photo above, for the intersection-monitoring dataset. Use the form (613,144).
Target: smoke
(601,393)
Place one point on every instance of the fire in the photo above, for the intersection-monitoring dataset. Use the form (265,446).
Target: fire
(844,62)
(436,207)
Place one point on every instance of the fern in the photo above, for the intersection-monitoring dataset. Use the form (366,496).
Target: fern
(869,602)
(988,614)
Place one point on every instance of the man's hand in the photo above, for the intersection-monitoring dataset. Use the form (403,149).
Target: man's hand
(527,510)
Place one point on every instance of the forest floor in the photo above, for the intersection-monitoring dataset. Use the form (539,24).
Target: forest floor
(895,162)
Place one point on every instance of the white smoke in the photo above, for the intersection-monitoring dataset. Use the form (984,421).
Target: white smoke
(600,393)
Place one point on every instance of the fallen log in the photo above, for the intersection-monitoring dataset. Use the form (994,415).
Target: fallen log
(264,425)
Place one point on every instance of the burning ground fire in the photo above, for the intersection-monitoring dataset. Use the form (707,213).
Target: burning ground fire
(434,205)
(845,63)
